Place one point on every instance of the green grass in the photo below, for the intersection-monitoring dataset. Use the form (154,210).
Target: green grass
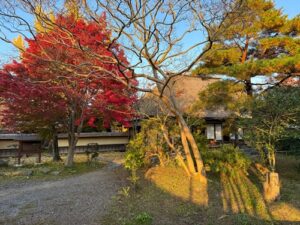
(49,169)
(168,197)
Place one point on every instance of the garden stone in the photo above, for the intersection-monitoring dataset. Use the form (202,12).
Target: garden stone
(26,173)
(45,170)
(55,173)
(271,187)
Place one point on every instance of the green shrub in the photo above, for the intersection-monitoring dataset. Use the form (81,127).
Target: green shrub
(202,141)
(227,159)
(140,219)
(134,157)
(149,145)
(143,219)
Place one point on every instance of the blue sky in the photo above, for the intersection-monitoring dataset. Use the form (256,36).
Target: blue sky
(289,7)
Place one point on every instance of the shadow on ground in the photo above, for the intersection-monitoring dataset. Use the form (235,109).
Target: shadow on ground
(168,197)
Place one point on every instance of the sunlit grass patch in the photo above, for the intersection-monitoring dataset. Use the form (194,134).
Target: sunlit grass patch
(174,180)
(285,212)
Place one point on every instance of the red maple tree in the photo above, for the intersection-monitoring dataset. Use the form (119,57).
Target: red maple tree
(68,75)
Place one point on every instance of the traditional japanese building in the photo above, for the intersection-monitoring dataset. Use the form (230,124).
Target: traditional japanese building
(186,91)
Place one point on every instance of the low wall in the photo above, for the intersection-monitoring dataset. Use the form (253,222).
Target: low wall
(9,144)
(106,141)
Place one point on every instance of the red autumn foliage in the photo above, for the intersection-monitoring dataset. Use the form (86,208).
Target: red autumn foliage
(28,105)
(67,72)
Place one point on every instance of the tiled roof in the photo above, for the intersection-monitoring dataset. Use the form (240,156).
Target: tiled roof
(20,137)
(36,137)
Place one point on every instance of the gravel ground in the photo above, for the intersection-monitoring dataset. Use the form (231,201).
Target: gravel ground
(78,200)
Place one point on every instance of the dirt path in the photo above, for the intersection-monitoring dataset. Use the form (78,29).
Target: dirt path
(76,200)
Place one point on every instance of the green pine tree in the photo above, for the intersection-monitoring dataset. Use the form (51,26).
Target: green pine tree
(260,41)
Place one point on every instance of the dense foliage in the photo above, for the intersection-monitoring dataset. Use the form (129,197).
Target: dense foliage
(228,159)
(135,153)
(275,115)
(149,145)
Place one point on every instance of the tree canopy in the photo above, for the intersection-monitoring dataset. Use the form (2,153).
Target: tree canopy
(261,41)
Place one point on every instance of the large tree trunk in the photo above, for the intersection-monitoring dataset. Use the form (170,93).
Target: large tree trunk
(187,152)
(248,87)
(193,147)
(179,157)
(71,149)
(71,140)
(73,135)
(192,153)
(271,157)
(248,84)
(245,50)
(55,151)
(190,146)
